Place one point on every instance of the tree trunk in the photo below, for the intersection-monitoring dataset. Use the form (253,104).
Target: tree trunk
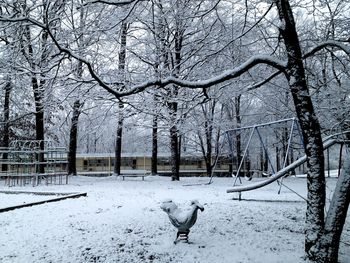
(39,96)
(73,137)
(208,138)
(39,120)
(118,142)
(38,90)
(173,107)
(174,144)
(206,141)
(121,68)
(238,134)
(327,247)
(174,159)
(154,160)
(77,106)
(208,164)
(6,120)
(310,127)
(278,160)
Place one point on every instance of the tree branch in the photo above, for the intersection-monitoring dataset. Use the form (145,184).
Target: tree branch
(110,2)
(261,83)
(225,76)
(329,43)
(325,44)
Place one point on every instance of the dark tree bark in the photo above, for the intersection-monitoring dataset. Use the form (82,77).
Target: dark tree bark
(209,137)
(73,137)
(209,143)
(235,117)
(174,143)
(208,129)
(6,122)
(174,155)
(310,127)
(119,132)
(77,105)
(173,108)
(154,169)
(327,247)
(39,120)
(278,160)
(264,164)
(206,145)
(38,86)
(238,125)
(118,141)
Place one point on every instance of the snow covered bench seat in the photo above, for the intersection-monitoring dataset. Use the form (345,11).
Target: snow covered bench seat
(134,173)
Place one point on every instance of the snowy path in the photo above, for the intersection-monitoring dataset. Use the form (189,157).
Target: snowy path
(120,221)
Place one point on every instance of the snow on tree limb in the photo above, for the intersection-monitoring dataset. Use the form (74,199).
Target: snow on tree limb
(325,44)
(22,19)
(227,75)
(111,2)
(200,84)
(329,43)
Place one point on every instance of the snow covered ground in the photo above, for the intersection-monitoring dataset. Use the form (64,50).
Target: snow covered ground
(120,221)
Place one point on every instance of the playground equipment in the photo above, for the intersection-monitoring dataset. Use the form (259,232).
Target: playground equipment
(33,161)
(327,143)
(288,128)
(245,135)
(294,141)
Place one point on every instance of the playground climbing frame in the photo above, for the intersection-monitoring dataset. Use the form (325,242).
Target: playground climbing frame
(32,162)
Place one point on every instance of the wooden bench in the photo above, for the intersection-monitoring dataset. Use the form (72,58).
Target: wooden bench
(134,173)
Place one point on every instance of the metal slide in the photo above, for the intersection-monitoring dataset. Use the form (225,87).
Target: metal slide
(327,143)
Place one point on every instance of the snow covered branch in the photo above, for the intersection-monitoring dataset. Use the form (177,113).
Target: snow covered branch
(63,49)
(329,43)
(111,2)
(22,19)
(325,44)
(225,76)
(200,84)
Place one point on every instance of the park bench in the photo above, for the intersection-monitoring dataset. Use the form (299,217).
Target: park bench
(134,173)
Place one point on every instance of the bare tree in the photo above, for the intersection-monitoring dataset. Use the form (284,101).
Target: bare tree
(321,234)
(77,105)
(209,141)
(37,51)
(121,68)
